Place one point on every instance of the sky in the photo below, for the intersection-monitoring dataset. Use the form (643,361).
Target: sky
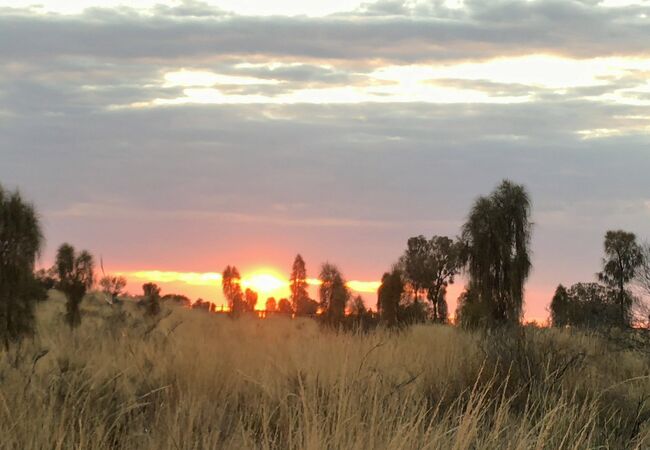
(185,136)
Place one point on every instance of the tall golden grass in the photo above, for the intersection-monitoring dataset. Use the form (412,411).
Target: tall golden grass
(194,380)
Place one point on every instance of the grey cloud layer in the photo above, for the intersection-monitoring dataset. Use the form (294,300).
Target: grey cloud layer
(482,30)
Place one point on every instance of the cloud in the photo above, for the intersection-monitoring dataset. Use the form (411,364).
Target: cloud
(99,211)
(383,52)
(424,33)
(191,278)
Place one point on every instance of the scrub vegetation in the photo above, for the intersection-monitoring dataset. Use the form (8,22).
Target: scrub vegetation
(189,379)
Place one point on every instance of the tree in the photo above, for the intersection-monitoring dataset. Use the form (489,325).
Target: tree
(642,276)
(231,286)
(497,238)
(470,313)
(623,256)
(432,265)
(412,311)
(560,307)
(271,304)
(308,306)
(250,300)
(443,264)
(151,298)
(359,317)
(585,305)
(442,309)
(388,296)
(357,307)
(20,244)
(113,286)
(46,278)
(298,286)
(333,294)
(284,306)
(75,275)
(415,263)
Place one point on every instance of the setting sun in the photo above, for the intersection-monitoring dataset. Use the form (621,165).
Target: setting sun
(264,283)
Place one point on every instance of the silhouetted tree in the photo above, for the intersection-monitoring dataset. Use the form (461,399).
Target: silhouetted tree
(271,304)
(560,307)
(357,307)
(497,238)
(643,271)
(443,263)
(470,313)
(46,278)
(623,256)
(75,275)
(415,263)
(308,306)
(298,286)
(151,298)
(585,305)
(432,265)
(441,311)
(20,243)
(411,311)
(250,299)
(231,284)
(284,306)
(389,295)
(113,286)
(334,294)
(359,317)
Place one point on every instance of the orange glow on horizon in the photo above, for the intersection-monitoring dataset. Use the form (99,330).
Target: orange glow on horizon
(264,281)
(268,282)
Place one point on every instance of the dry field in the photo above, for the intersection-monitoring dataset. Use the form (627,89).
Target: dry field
(195,380)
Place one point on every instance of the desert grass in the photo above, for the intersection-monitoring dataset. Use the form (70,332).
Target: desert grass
(195,380)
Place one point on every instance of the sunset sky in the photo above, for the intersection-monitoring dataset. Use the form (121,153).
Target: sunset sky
(183,137)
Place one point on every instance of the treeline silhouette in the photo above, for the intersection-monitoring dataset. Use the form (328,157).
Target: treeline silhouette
(492,250)
(611,301)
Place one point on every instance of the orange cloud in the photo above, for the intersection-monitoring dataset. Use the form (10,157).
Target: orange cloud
(191,278)
(364,286)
